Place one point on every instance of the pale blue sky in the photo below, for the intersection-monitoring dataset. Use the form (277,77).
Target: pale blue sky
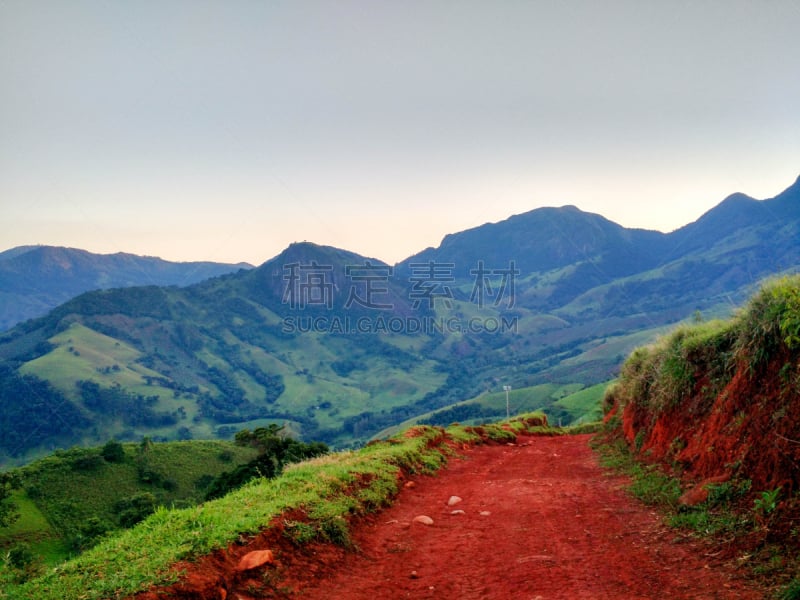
(226,130)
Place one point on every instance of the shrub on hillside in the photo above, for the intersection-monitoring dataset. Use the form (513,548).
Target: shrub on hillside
(275,451)
(113,452)
(134,509)
(8,513)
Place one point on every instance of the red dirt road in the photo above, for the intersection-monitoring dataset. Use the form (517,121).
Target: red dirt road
(559,527)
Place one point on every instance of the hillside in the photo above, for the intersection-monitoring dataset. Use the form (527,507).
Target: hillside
(69,500)
(339,347)
(716,406)
(582,267)
(563,403)
(207,359)
(703,421)
(719,398)
(36,279)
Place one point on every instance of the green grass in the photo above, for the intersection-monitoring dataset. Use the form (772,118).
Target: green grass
(82,353)
(581,405)
(716,516)
(648,482)
(584,405)
(59,495)
(662,375)
(33,530)
(329,489)
(31,520)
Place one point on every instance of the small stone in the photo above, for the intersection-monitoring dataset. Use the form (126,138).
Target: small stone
(485,513)
(425,520)
(457,512)
(453,500)
(414,575)
(255,559)
(409,484)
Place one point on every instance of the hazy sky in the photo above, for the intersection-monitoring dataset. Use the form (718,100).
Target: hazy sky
(227,130)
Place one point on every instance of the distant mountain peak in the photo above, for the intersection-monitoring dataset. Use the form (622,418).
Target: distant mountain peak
(736,201)
(792,191)
(306,252)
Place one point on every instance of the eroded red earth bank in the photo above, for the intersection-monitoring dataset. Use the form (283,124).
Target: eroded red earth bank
(541,520)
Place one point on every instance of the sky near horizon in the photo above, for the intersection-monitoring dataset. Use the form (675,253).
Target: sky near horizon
(224,131)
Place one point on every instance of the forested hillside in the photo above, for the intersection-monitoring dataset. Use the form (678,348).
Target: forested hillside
(339,347)
(36,279)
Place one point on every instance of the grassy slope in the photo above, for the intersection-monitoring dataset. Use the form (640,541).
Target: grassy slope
(33,529)
(328,488)
(57,498)
(582,404)
(82,353)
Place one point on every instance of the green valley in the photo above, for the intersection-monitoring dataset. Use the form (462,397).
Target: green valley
(339,347)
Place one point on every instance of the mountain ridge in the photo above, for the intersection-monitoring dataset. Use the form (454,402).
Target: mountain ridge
(338,346)
(34,279)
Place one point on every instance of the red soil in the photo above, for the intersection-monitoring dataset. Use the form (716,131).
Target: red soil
(743,431)
(558,526)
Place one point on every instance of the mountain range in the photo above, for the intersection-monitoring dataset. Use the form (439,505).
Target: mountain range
(338,346)
(36,279)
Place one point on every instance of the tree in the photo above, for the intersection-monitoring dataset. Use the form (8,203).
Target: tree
(113,451)
(134,509)
(275,449)
(8,511)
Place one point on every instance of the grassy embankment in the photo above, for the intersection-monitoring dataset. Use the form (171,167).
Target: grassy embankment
(705,421)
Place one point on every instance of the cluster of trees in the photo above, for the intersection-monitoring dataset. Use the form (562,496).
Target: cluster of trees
(274,451)
(231,405)
(226,385)
(223,409)
(143,301)
(344,367)
(8,513)
(133,409)
(34,413)
(273,384)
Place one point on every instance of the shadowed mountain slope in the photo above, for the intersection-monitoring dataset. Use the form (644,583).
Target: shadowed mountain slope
(35,279)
